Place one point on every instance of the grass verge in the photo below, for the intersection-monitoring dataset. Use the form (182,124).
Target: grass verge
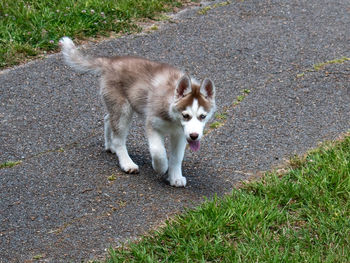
(302,215)
(32,27)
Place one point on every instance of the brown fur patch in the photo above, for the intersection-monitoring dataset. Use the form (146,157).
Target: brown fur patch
(187,100)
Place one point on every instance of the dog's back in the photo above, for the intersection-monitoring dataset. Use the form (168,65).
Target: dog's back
(147,85)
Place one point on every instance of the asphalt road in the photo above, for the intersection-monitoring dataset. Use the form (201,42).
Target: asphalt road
(59,205)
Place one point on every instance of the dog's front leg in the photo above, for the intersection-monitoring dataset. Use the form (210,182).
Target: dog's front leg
(157,150)
(177,151)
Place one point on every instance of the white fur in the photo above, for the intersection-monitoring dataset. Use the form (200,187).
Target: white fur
(156,131)
(194,125)
(177,151)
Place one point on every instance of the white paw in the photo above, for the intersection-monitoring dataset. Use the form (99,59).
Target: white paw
(129,167)
(178,181)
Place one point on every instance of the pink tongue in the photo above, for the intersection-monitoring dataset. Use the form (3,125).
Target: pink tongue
(194,145)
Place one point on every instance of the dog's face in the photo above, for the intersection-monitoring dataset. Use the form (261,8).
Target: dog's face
(195,105)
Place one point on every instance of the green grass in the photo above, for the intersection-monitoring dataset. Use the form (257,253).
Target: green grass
(302,215)
(31,27)
(207,8)
(221,116)
(215,125)
(322,65)
(319,66)
(240,98)
(9,164)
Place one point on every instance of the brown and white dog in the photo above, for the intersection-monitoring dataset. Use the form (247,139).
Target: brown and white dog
(172,103)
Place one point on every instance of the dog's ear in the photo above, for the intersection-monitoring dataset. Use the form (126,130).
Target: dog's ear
(208,89)
(183,87)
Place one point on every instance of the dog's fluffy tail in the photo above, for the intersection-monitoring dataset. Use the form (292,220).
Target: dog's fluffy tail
(78,61)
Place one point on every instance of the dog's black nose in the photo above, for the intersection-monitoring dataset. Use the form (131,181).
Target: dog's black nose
(194,136)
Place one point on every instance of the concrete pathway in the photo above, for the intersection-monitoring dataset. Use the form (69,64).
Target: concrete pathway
(60,205)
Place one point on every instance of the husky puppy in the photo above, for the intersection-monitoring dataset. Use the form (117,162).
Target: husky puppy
(171,102)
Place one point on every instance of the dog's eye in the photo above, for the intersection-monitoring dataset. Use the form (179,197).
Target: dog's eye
(186,116)
(202,117)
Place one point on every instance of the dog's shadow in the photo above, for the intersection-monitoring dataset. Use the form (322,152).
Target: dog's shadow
(202,179)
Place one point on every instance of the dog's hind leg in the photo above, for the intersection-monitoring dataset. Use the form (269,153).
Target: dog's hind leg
(117,127)
(157,150)
(108,134)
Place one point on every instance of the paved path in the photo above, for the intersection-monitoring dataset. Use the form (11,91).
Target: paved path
(59,204)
